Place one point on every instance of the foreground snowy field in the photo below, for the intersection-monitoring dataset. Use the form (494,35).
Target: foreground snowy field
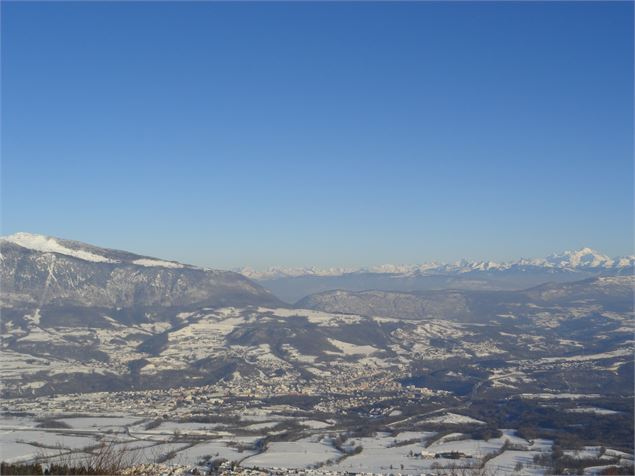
(195,444)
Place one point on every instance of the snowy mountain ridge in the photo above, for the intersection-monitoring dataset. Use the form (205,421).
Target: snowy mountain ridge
(583,259)
(52,271)
(76,249)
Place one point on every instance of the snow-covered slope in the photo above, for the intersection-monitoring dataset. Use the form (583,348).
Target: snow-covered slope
(52,350)
(610,291)
(70,310)
(82,251)
(46,244)
(44,270)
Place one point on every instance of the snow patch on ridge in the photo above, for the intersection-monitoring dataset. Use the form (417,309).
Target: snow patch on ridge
(454,419)
(46,244)
(157,262)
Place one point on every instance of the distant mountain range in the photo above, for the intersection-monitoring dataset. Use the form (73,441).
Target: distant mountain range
(76,317)
(47,270)
(583,259)
(293,284)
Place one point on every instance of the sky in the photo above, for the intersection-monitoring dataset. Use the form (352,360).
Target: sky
(320,134)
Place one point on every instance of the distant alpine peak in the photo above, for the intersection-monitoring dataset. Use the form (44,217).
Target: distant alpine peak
(82,251)
(586,257)
(278,272)
(583,259)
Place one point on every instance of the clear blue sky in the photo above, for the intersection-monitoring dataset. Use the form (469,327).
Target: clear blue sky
(230,134)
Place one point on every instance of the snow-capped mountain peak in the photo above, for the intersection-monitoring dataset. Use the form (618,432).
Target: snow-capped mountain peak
(582,259)
(282,272)
(585,257)
(45,269)
(75,249)
(47,244)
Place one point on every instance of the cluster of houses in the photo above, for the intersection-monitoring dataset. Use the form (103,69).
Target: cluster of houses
(444,454)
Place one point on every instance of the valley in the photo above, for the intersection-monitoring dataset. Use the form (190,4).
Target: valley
(207,371)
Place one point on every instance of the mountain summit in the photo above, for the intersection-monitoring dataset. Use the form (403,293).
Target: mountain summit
(51,271)
(294,284)
(583,259)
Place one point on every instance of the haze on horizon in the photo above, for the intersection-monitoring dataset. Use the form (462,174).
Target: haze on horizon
(320,134)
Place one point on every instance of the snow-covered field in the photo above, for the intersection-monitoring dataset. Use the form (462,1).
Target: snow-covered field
(102,423)
(381,454)
(516,462)
(315,424)
(191,443)
(594,410)
(23,445)
(454,419)
(213,449)
(558,396)
(295,454)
